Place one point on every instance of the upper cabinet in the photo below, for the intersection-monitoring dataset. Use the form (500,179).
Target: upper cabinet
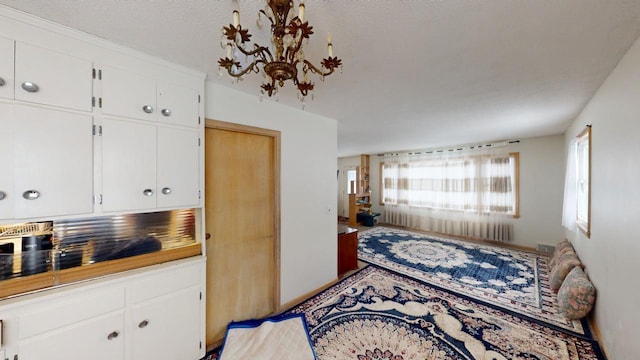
(53,162)
(48,77)
(6,68)
(6,159)
(131,95)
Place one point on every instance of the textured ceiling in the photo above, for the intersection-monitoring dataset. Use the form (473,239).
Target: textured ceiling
(417,73)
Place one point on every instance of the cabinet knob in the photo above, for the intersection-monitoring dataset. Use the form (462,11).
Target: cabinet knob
(148,109)
(3,195)
(147,192)
(1,81)
(114,334)
(166,112)
(166,191)
(143,324)
(31,194)
(30,87)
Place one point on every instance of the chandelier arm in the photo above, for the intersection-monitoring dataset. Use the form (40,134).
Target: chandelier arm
(252,67)
(318,71)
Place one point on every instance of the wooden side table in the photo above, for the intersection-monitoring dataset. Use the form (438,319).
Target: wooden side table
(347,249)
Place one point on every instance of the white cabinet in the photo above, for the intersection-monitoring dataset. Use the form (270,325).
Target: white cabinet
(149,315)
(146,166)
(128,165)
(53,162)
(7,193)
(90,339)
(131,95)
(48,77)
(178,170)
(159,307)
(6,68)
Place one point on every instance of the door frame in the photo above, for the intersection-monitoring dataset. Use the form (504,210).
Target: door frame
(275,135)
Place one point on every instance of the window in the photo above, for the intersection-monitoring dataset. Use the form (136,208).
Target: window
(583,180)
(475,183)
(351,176)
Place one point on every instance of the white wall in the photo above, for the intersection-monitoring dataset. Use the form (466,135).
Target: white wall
(611,254)
(308,184)
(541,190)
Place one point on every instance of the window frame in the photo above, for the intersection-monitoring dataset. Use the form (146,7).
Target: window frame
(583,139)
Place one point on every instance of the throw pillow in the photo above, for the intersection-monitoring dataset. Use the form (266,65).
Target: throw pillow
(576,295)
(564,264)
(563,247)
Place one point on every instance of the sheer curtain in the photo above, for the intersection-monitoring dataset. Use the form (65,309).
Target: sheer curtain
(461,193)
(569,207)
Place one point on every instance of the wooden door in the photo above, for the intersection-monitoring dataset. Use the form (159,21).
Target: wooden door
(242,218)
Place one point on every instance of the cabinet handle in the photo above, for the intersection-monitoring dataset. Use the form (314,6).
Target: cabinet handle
(166,191)
(148,109)
(147,192)
(114,334)
(31,194)
(1,81)
(143,324)
(30,87)
(166,112)
(3,195)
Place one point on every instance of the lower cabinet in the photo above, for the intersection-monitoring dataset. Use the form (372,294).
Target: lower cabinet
(155,315)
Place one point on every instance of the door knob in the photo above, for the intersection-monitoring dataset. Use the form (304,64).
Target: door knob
(207,237)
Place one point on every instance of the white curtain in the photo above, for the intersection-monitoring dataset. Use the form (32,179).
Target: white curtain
(461,193)
(569,207)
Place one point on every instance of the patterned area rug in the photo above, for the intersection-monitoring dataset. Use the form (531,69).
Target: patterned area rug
(512,279)
(378,314)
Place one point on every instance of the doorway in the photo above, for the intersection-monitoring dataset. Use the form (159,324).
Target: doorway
(242,207)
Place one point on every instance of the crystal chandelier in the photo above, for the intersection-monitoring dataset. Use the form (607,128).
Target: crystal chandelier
(286,61)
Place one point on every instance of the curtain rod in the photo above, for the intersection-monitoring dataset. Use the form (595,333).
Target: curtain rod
(455,148)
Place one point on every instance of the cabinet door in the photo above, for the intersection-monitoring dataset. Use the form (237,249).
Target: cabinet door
(128,165)
(128,94)
(61,80)
(7,194)
(6,68)
(178,167)
(168,327)
(100,338)
(53,162)
(177,105)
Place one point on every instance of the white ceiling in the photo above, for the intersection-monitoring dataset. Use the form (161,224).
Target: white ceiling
(417,73)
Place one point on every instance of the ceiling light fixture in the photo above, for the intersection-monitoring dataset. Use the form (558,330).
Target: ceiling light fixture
(287,59)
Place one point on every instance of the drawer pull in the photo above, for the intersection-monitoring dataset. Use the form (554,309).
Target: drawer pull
(31,194)
(147,192)
(30,87)
(113,335)
(2,195)
(143,324)
(166,112)
(166,190)
(148,109)
(2,82)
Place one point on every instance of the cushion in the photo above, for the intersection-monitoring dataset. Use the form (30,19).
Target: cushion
(563,247)
(564,264)
(282,337)
(576,295)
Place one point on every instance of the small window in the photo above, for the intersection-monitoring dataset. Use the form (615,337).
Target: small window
(583,180)
(351,176)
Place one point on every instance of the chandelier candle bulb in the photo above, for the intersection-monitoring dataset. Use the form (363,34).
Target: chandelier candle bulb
(236,18)
(330,49)
(301,11)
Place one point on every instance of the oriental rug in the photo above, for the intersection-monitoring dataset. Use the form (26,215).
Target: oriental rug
(514,280)
(379,314)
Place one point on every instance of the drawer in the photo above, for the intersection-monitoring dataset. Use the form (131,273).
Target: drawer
(49,314)
(164,282)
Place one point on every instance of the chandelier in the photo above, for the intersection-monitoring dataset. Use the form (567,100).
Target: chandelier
(286,60)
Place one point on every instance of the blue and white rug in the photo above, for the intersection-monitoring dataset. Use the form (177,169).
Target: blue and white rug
(515,280)
(379,314)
